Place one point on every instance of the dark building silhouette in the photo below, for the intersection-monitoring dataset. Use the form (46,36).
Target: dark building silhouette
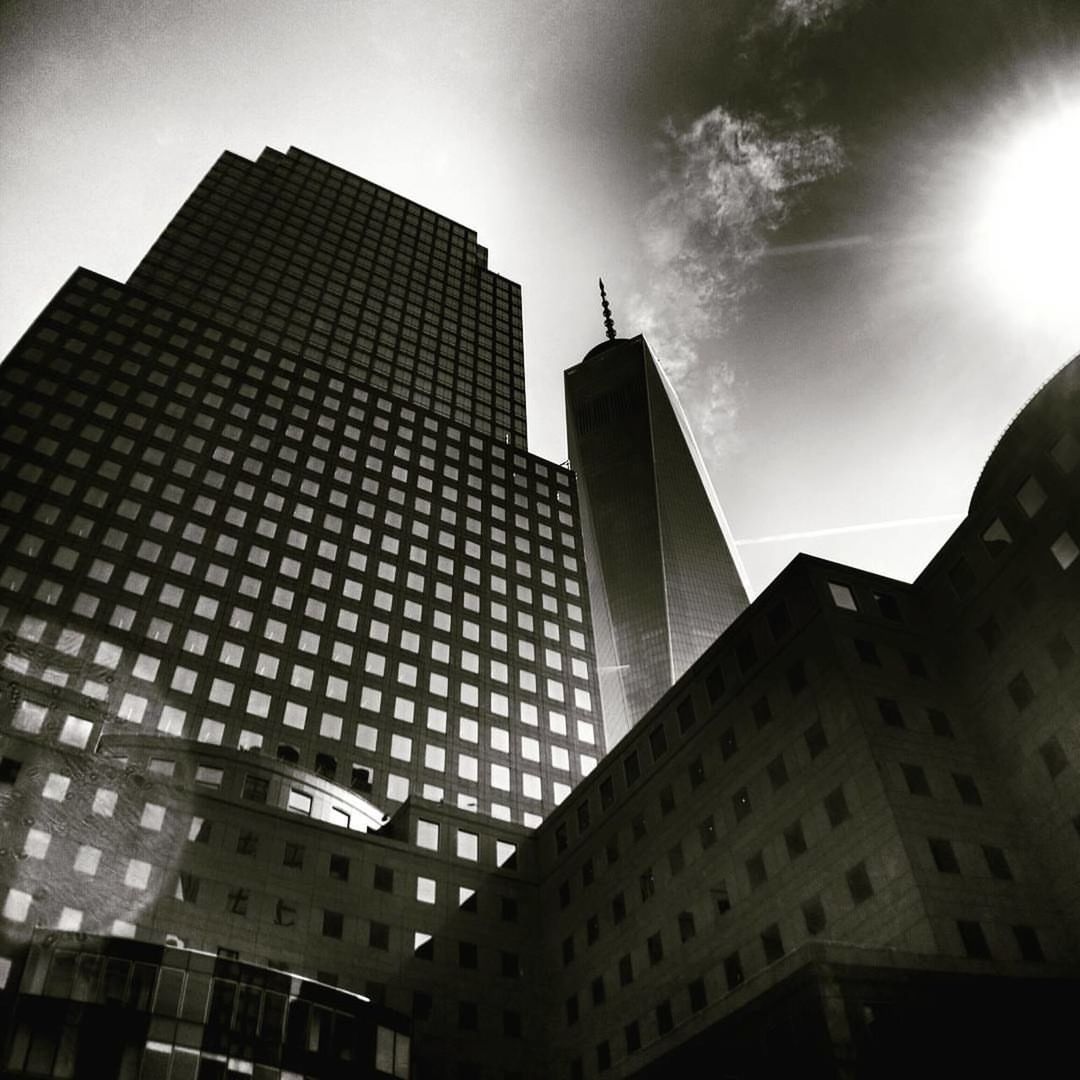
(663,571)
(845,842)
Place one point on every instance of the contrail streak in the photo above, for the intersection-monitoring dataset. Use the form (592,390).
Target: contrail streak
(898,523)
(818,245)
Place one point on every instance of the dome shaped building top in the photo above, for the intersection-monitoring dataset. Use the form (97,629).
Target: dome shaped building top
(1058,397)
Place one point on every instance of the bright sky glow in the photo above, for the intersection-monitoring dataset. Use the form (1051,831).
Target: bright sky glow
(1027,232)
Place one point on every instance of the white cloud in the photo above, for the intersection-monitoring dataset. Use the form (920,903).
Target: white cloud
(806,13)
(726,183)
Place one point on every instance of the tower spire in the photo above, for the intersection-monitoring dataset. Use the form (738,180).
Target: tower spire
(609,324)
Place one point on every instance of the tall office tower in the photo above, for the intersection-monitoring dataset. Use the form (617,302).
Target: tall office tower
(664,575)
(273,494)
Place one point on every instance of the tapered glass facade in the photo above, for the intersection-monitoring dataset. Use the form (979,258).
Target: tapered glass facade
(663,572)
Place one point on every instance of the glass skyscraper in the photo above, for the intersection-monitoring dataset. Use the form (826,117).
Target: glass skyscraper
(664,575)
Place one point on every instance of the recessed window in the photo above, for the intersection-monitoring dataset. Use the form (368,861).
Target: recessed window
(890,712)
(796,677)
(1020,691)
(1031,496)
(939,723)
(944,855)
(997,863)
(728,743)
(676,860)
(741,803)
(777,770)
(888,606)
(814,915)
(755,870)
(1053,757)
(795,840)
(379,936)
(686,715)
(842,596)
(915,778)
(658,742)
(631,768)
(687,930)
(468,845)
(618,908)
(714,685)
(1066,453)
(655,948)
(996,538)
(733,971)
(299,801)
(859,884)
(967,789)
(1064,549)
(746,654)
(647,884)
(816,742)
(761,712)
(333,924)
(707,833)
(1028,943)
(427,835)
(664,1019)
(867,652)
(772,943)
(973,939)
(255,788)
(667,800)
(696,770)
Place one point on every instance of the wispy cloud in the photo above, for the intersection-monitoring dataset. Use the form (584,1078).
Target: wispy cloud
(804,14)
(726,183)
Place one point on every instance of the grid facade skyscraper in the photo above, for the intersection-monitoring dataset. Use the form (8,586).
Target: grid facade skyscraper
(273,494)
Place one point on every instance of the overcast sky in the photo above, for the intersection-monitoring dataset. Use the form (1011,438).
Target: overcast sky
(847,227)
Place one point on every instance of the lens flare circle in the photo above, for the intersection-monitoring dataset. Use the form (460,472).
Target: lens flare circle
(1027,230)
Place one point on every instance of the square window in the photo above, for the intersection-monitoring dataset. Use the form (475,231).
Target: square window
(943,855)
(858,882)
(816,742)
(658,742)
(383,878)
(1064,550)
(915,777)
(1053,757)
(836,807)
(967,789)
(1031,496)
(973,939)
(755,870)
(778,774)
(772,943)
(842,596)
(814,915)
(795,840)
